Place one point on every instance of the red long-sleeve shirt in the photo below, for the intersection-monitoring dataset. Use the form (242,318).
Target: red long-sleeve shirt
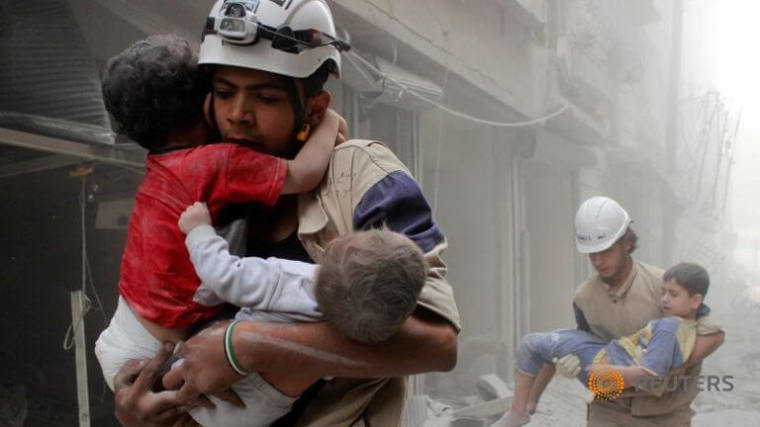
(157,278)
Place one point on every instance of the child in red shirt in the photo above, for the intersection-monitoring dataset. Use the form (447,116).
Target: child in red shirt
(155,92)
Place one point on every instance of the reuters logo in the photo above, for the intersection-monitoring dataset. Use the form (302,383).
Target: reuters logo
(606,385)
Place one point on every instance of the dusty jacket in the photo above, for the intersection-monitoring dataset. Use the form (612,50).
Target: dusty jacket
(367,186)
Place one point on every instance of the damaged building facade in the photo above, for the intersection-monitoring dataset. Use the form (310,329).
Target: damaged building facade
(453,87)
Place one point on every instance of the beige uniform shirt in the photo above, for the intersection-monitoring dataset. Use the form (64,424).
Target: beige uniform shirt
(611,315)
(326,213)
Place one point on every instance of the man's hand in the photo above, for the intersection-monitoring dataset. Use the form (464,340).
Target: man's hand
(568,366)
(677,372)
(677,377)
(195,215)
(205,369)
(136,405)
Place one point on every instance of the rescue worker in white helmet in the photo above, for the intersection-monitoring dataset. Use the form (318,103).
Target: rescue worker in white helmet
(269,60)
(624,295)
(294,40)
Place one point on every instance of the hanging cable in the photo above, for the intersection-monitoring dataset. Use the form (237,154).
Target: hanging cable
(453,112)
(68,339)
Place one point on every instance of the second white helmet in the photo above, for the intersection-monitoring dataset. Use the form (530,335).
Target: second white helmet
(288,37)
(599,223)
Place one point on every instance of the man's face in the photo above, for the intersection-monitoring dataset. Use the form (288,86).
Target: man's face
(677,302)
(610,263)
(252,108)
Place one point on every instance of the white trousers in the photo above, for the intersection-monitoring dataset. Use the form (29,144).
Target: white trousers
(126,338)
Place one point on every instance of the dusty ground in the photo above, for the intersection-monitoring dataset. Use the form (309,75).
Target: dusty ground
(737,362)
(565,405)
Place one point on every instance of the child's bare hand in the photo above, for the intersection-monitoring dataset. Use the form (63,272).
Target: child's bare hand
(331,117)
(342,131)
(195,215)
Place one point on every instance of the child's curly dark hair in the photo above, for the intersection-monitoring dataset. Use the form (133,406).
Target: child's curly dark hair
(153,88)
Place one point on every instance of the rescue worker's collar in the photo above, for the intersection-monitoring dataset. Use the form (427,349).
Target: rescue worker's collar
(620,292)
(311,215)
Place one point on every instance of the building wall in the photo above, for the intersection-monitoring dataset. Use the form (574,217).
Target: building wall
(468,181)
(550,203)
(481,42)
(635,56)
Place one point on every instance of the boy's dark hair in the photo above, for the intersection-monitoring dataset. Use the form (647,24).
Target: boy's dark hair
(368,284)
(153,88)
(692,277)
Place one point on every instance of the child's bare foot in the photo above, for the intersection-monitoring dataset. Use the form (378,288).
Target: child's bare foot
(530,407)
(512,419)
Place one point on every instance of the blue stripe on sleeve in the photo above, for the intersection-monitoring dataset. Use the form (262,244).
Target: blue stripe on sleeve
(397,202)
(580,319)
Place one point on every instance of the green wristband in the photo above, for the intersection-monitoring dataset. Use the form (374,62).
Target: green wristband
(229,352)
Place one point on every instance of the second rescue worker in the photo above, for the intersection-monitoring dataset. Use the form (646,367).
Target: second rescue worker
(622,297)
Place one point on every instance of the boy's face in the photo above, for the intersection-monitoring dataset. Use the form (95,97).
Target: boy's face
(252,108)
(677,302)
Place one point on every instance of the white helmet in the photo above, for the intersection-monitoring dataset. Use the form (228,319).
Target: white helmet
(599,223)
(288,37)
